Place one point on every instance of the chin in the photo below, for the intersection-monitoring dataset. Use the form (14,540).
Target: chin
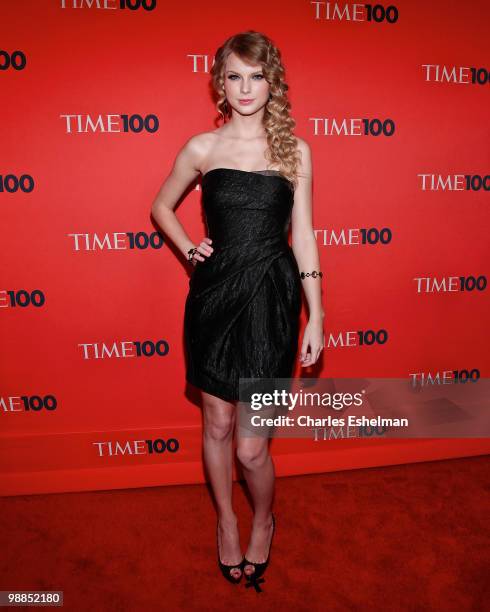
(248,109)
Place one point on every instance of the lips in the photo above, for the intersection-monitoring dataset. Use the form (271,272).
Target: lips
(246,101)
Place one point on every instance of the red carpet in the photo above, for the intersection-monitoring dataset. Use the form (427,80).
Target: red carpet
(409,537)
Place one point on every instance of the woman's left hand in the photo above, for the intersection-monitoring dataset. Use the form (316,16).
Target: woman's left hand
(314,340)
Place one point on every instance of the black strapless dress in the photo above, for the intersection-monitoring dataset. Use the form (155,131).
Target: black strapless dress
(242,310)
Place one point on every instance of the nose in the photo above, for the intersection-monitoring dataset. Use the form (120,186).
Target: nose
(245,88)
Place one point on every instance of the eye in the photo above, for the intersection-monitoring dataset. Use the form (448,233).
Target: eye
(233,77)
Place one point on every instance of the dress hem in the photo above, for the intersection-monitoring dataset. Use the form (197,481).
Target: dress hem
(211,389)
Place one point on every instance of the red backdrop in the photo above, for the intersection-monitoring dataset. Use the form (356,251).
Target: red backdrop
(98,97)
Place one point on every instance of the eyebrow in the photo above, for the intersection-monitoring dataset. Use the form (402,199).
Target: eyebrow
(235,72)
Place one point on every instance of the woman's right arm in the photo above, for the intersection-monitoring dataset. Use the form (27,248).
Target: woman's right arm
(184,171)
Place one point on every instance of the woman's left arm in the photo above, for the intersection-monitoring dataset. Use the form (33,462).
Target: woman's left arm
(305,250)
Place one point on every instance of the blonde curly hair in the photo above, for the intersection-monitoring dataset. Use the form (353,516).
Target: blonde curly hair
(256,48)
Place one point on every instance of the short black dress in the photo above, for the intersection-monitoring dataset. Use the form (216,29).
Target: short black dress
(242,311)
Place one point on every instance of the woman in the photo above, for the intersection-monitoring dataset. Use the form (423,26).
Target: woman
(242,311)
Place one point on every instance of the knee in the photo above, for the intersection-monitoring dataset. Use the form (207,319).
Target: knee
(219,428)
(252,458)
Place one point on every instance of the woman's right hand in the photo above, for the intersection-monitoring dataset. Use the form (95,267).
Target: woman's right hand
(203,250)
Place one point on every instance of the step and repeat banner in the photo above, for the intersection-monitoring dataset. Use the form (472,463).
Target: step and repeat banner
(98,96)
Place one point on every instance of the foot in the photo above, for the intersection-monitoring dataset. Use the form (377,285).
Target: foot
(229,544)
(259,546)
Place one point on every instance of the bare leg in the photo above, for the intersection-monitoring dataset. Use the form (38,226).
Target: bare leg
(219,424)
(258,470)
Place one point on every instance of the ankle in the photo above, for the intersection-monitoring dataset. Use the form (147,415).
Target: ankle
(263,520)
(228,520)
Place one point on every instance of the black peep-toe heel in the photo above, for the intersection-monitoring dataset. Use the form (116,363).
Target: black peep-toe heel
(255,579)
(226,569)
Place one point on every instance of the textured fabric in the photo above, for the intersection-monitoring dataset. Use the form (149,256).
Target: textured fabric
(242,310)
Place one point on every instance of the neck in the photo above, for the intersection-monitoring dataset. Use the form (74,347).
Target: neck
(247,127)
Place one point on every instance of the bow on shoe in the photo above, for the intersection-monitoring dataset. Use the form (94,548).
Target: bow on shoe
(252,580)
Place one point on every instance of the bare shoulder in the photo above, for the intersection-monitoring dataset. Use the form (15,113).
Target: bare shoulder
(198,144)
(304,148)
(189,159)
(197,147)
